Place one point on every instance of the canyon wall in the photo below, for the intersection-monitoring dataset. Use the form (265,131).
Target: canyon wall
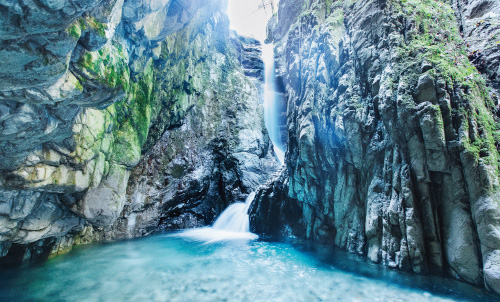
(392,133)
(118,118)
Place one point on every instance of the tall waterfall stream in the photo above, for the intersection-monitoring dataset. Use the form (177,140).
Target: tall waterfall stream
(272,108)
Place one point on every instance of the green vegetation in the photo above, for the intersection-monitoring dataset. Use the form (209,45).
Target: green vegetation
(135,109)
(99,27)
(328,4)
(109,66)
(76,29)
(434,37)
(79,85)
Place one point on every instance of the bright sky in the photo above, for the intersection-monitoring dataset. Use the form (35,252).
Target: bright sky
(247,19)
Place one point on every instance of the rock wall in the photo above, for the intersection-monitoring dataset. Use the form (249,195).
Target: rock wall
(92,92)
(392,146)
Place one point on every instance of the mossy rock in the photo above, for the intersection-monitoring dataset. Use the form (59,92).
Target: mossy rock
(127,148)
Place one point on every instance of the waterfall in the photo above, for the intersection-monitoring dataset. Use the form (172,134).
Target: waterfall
(235,217)
(233,223)
(272,108)
(131,221)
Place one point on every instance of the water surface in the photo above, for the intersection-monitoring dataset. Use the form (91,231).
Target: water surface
(169,268)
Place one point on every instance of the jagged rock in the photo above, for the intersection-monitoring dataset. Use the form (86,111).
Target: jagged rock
(220,151)
(117,117)
(479,26)
(250,56)
(101,28)
(391,151)
(97,88)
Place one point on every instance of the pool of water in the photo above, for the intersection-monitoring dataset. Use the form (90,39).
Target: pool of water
(169,268)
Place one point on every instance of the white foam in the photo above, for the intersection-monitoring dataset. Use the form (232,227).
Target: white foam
(232,224)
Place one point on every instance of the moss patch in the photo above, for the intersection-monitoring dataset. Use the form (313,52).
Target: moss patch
(109,66)
(100,28)
(76,28)
(432,35)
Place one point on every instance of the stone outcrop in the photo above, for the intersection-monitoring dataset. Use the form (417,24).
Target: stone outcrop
(392,134)
(92,92)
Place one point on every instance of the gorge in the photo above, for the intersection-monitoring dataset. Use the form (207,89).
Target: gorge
(363,135)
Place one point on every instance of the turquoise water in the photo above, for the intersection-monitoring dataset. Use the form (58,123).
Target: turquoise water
(168,268)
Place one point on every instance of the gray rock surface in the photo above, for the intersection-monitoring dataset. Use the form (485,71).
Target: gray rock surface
(391,134)
(92,92)
(120,117)
(478,20)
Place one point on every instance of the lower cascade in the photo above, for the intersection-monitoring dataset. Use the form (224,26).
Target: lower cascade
(233,223)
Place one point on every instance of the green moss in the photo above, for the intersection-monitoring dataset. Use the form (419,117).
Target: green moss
(132,117)
(75,31)
(79,85)
(99,27)
(439,116)
(109,66)
(127,150)
(76,28)
(328,4)
(434,38)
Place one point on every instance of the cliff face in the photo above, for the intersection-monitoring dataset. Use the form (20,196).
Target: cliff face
(92,92)
(392,134)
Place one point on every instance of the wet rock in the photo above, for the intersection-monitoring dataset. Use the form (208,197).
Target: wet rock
(250,57)
(219,151)
(480,32)
(101,25)
(378,139)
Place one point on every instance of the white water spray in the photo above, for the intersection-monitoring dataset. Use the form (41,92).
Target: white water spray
(233,223)
(271,105)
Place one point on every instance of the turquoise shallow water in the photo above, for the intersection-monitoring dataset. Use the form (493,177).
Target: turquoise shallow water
(167,268)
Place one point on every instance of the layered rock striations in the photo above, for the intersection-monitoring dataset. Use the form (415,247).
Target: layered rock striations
(392,134)
(92,92)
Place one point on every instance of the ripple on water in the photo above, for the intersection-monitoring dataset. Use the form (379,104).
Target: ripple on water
(168,268)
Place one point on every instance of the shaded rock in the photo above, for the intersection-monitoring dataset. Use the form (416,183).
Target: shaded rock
(477,21)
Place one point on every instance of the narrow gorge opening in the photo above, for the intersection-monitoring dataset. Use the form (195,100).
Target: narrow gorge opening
(250,18)
(249,150)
